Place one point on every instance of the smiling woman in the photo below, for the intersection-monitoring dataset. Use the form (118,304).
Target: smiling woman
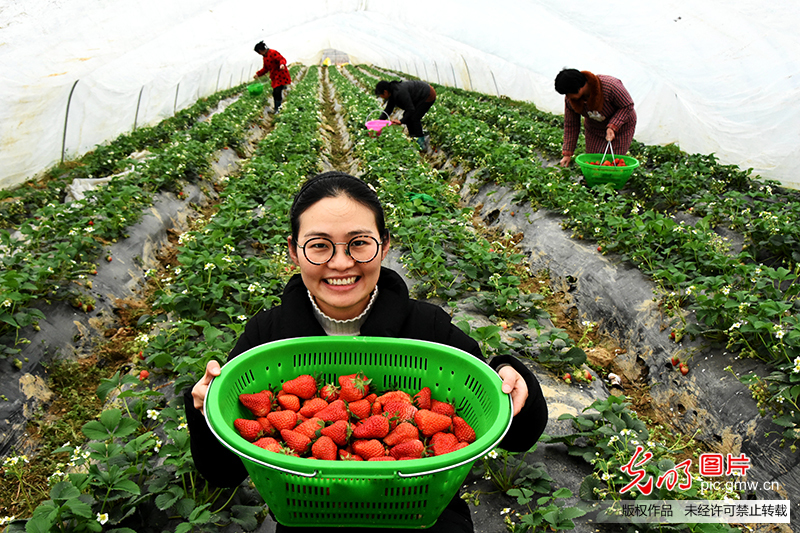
(338,241)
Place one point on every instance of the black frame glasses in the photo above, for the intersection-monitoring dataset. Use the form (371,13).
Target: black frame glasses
(346,249)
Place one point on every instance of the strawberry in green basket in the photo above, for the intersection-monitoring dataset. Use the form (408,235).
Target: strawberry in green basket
(368,448)
(336,410)
(250,430)
(374,427)
(259,403)
(404,431)
(312,406)
(339,431)
(329,392)
(445,408)
(462,430)
(269,444)
(304,386)
(410,449)
(422,399)
(296,440)
(324,448)
(360,409)
(430,423)
(442,443)
(282,419)
(353,387)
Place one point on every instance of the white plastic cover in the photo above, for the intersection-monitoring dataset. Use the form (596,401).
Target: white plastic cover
(712,76)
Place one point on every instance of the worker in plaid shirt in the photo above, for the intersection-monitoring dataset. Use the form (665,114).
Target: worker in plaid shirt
(607,109)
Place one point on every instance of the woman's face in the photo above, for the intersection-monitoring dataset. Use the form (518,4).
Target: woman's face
(342,286)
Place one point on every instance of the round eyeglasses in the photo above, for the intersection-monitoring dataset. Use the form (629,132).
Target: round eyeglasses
(320,250)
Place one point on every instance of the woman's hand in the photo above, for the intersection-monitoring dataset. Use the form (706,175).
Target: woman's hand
(513,384)
(565,161)
(200,388)
(610,134)
(396,122)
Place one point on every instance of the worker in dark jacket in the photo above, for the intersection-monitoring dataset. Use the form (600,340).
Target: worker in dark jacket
(415,98)
(338,241)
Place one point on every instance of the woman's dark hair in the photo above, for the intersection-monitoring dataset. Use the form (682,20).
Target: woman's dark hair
(384,85)
(260,47)
(331,185)
(570,81)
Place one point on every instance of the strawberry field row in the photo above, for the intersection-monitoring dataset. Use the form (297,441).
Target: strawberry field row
(138,470)
(747,300)
(61,243)
(607,437)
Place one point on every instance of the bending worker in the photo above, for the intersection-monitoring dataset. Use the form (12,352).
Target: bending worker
(607,108)
(415,98)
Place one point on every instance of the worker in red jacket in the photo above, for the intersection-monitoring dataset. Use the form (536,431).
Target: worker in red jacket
(275,64)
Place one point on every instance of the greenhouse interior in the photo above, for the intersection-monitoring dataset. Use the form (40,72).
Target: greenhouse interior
(582,237)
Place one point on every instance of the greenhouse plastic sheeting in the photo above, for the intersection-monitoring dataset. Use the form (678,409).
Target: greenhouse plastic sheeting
(713,76)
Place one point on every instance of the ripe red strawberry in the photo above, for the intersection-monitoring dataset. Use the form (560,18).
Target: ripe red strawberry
(353,386)
(304,386)
(462,430)
(382,458)
(259,403)
(409,449)
(567,378)
(368,448)
(344,455)
(404,431)
(249,429)
(588,376)
(339,431)
(444,408)
(329,392)
(396,395)
(360,409)
(675,360)
(374,427)
(310,427)
(266,425)
(270,444)
(289,402)
(336,410)
(377,408)
(371,397)
(295,440)
(429,422)
(684,368)
(399,411)
(312,406)
(143,375)
(442,443)
(422,399)
(281,420)
(324,448)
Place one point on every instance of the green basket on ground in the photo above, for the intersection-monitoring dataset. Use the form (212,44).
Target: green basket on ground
(255,88)
(596,174)
(392,494)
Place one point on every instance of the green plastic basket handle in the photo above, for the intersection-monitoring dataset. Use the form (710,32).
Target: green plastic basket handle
(399,474)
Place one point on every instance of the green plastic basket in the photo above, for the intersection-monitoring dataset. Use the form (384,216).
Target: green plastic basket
(596,174)
(391,494)
(255,88)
